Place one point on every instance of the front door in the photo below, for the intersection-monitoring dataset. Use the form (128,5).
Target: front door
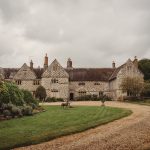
(71,96)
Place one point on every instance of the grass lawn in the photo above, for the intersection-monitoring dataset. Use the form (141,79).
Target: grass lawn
(55,122)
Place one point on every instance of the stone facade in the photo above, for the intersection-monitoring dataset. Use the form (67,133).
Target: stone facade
(71,83)
(129,69)
(82,88)
(56,81)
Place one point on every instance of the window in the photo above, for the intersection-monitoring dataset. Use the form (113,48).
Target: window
(18,82)
(100,93)
(129,68)
(82,93)
(55,67)
(36,82)
(54,90)
(81,83)
(96,83)
(54,81)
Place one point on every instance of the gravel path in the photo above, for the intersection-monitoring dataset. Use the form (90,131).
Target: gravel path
(129,133)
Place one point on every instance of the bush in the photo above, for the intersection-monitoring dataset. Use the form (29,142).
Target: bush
(33,105)
(27,110)
(40,93)
(10,93)
(53,99)
(60,100)
(16,111)
(7,113)
(28,98)
(131,98)
(93,98)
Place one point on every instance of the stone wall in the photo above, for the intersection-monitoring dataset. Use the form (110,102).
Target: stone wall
(127,70)
(90,87)
(58,90)
(28,85)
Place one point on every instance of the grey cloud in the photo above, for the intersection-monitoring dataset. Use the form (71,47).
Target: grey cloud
(92,33)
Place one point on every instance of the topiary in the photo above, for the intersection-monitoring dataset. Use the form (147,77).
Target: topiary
(40,93)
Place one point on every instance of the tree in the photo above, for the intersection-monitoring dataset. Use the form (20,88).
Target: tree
(10,93)
(132,85)
(40,93)
(29,99)
(146,89)
(144,66)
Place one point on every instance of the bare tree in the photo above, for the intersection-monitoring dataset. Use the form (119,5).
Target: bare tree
(132,85)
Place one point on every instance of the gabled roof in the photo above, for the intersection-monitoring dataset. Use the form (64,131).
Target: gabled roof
(90,74)
(55,70)
(114,75)
(25,73)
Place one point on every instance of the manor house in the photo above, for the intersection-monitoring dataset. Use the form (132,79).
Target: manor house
(70,82)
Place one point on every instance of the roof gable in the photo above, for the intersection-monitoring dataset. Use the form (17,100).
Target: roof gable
(25,73)
(55,70)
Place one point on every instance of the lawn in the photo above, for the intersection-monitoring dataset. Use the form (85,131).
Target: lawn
(55,122)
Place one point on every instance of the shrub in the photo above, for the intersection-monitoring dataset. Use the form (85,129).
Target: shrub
(40,93)
(53,99)
(33,105)
(4,94)
(27,110)
(16,111)
(7,106)
(60,100)
(10,93)
(7,113)
(131,98)
(93,98)
(28,98)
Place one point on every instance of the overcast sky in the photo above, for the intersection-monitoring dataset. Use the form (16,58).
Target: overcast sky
(91,32)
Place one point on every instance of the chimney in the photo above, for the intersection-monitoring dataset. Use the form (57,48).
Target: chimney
(113,65)
(135,61)
(45,62)
(69,64)
(31,65)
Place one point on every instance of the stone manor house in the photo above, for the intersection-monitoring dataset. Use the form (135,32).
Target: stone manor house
(70,82)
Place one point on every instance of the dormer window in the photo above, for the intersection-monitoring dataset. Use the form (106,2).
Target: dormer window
(18,82)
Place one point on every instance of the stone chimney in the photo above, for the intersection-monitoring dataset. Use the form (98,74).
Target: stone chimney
(31,65)
(135,61)
(113,65)
(45,62)
(69,64)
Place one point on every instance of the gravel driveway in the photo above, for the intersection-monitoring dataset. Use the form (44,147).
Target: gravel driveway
(129,133)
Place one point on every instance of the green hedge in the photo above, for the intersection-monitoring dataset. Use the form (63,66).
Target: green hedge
(93,98)
(53,99)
